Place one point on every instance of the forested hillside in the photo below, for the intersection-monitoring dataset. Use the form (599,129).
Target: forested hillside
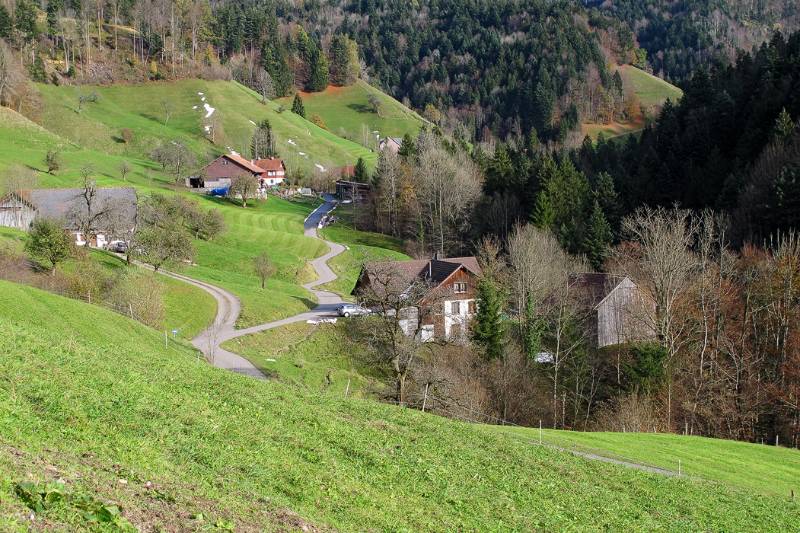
(730,144)
(680,36)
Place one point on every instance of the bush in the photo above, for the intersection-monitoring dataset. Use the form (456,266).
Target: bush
(141,296)
(48,243)
(127,135)
(316,119)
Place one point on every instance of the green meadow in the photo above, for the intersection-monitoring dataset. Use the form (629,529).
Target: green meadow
(754,467)
(348,112)
(167,111)
(652,93)
(103,428)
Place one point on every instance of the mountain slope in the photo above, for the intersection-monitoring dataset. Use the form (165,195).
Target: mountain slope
(91,398)
(348,112)
(169,111)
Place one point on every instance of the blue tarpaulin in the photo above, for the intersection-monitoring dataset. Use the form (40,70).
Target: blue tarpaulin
(221,191)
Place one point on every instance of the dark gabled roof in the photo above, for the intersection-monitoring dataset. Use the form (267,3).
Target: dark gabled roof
(398,276)
(60,204)
(591,288)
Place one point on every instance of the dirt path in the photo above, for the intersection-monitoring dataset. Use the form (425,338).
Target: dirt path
(224,329)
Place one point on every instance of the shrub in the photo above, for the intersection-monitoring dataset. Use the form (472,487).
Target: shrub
(48,243)
(316,119)
(140,296)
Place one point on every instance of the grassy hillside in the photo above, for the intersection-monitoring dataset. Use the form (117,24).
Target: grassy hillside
(651,90)
(347,112)
(652,93)
(187,309)
(141,108)
(754,467)
(273,226)
(319,358)
(92,399)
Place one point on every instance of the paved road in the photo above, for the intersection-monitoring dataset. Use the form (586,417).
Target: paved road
(228,306)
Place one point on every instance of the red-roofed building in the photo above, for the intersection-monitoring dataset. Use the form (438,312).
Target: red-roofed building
(274,171)
(220,172)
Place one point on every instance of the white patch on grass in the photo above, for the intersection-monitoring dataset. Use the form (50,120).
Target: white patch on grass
(301,153)
(209,110)
(194,107)
(199,94)
(320,167)
(253,123)
(292,142)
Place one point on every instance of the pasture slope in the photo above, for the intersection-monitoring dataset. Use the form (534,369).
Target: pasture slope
(103,427)
(348,112)
(652,93)
(755,467)
(167,111)
(273,226)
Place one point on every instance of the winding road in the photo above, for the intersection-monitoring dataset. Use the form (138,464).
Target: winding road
(224,329)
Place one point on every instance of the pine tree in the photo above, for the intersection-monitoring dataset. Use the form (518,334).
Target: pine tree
(273,59)
(784,127)
(488,329)
(606,194)
(344,65)
(407,147)
(262,145)
(25,19)
(297,106)
(360,173)
(532,329)
(5,23)
(598,237)
(318,80)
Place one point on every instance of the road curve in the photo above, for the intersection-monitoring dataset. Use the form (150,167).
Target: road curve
(229,307)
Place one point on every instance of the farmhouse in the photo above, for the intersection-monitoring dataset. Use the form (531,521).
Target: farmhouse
(392,144)
(613,305)
(113,210)
(274,171)
(436,297)
(220,172)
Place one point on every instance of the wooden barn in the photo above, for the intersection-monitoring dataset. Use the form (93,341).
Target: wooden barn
(614,305)
(115,209)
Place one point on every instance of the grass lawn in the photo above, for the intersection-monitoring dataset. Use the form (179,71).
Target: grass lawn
(94,399)
(361,246)
(651,91)
(754,467)
(347,112)
(188,309)
(140,108)
(319,358)
(274,226)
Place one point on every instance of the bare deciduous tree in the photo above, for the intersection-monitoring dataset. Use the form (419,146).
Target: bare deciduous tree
(263,267)
(244,187)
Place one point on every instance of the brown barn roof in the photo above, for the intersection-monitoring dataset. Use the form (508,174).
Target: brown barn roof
(241,161)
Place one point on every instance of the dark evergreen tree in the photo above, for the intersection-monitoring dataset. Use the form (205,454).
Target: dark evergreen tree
(318,64)
(598,237)
(360,173)
(488,330)
(407,147)
(297,106)
(25,19)
(6,24)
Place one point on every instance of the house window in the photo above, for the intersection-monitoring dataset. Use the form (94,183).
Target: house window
(455,308)
(459,287)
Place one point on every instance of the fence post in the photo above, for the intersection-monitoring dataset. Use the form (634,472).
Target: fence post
(166,340)
(425,398)
(347,389)
(679,467)
(540,431)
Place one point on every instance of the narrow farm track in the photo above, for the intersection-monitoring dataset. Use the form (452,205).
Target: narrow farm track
(224,329)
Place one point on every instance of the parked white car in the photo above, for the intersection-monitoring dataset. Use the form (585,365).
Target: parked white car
(348,310)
